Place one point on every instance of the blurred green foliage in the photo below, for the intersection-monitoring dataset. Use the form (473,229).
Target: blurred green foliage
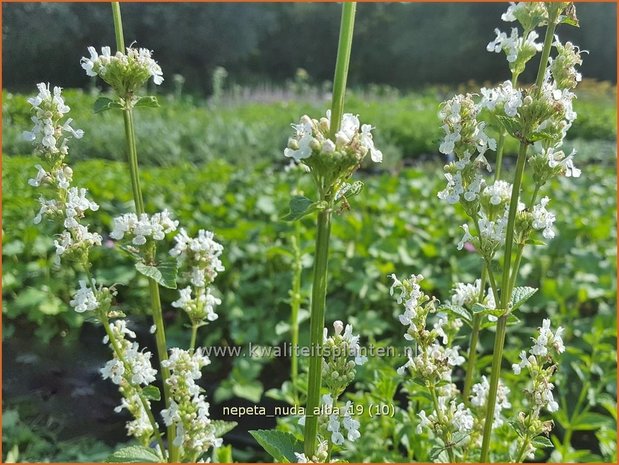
(222,169)
(242,129)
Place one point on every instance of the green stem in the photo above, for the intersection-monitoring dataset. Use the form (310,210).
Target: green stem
(341,66)
(523,450)
(194,335)
(132,157)
(162,350)
(295,305)
(506,291)
(499,340)
(501,141)
(321,258)
(441,419)
(472,358)
(118,27)
(317,323)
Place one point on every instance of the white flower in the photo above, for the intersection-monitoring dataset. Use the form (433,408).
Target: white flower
(543,219)
(114,370)
(132,63)
(155,226)
(462,418)
(479,398)
(350,424)
(498,192)
(524,363)
(84,299)
(424,421)
(368,142)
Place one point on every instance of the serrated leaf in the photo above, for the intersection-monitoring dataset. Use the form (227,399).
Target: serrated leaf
(280,445)
(164,273)
(511,126)
(521,295)
(542,441)
(301,206)
(134,454)
(152,393)
(104,104)
(149,101)
(479,309)
(458,310)
(223,427)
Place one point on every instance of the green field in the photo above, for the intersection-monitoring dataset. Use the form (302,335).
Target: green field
(219,166)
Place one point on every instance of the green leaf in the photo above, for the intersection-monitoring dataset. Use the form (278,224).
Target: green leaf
(591,421)
(511,125)
(458,310)
(134,454)
(542,441)
(479,308)
(223,454)
(280,445)
(150,101)
(250,391)
(540,135)
(104,104)
(301,206)
(223,427)
(535,242)
(152,393)
(521,295)
(164,273)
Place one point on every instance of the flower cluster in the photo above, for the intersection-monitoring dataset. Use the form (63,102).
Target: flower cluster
(340,420)
(465,138)
(50,132)
(433,362)
(341,354)
(529,14)
(130,368)
(332,160)
(202,256)
(541,365)
(125,72)
(312,138)
(141,228)
(189,410)
(69,204)
(519,50)
(479,398)
(322,452)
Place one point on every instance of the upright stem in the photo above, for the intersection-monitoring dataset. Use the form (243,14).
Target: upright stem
(506,289)
(295,305)
(472,358)
(162,350)
(118,27)
(323,231)
(317,323)
(341,65)
(499,339)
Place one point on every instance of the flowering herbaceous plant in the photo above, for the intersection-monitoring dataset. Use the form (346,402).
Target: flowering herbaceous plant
(461,407)
(144,237)
(504,218)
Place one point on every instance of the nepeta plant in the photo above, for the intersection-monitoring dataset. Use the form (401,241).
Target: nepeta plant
(504,219)
(144,238)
